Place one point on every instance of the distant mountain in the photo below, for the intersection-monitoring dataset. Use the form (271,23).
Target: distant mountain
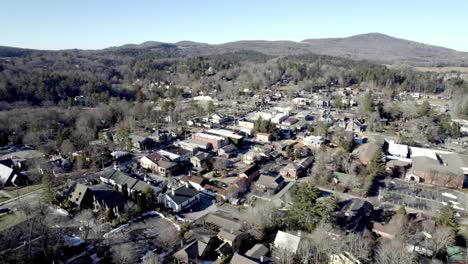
(372,46)
(383,48)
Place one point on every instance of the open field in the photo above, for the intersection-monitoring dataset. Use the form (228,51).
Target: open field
(10,220)
(12,193)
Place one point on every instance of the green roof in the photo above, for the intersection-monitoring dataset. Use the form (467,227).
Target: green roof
(456,254)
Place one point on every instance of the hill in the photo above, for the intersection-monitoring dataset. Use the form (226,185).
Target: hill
(373,47)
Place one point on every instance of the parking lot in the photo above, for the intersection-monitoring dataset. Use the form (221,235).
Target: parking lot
(422,197)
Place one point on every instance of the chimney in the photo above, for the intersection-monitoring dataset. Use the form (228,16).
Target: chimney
(172,191)
(186,184)
(261,259)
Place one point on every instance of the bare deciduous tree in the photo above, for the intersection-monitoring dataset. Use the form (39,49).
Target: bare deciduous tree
(442,237)
(394,252)
(259,219)
(123,253)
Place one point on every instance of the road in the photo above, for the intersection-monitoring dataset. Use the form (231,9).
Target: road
(32,199)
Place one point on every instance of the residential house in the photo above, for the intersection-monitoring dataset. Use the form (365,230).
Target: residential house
(181,198)
(140,142)
(196,251)
(263,137)
(287,241)
(290,121)
(296,169)
(158,163)
(397,150)
(176,154)
(232,137)
(269,185)
(200,160)
(217,222)
(354,215)
(97,198)
(123,181)
(10,176)
(233,238)
(250,173)
(227,151)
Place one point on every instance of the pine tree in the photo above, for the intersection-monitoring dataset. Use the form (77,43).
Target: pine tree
(447,218)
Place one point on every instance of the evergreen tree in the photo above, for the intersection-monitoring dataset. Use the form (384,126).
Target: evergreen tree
(447,218)
(424,109)
(305,211)
(48,192)
(110,215)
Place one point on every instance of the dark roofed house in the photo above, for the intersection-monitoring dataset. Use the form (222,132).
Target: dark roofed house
(195,251)
(354,215)
(269,185)
(97,198)
(218,222)
(250,173)
(181,198)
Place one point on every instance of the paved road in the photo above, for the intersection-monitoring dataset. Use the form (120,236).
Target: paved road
(32,199)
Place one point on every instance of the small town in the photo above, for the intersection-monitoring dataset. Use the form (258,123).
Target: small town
(250,132)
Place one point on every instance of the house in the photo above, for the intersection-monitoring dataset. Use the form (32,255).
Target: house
(246,124)
(97,198)
(9,176)
(290,121)
(278,118)
(123,181)
(343,258)
(354,215)
(258,253)
(263,137)
(250,173)
(227,151)
(218,222)
(176,154)
(287,241)
(195,251)
(355,126)
(296,169)
(180,198)
(140,142)
(200,160)
(269,185)
(158,163)
(312,141)
(218,119)
(397,150)
(233,238)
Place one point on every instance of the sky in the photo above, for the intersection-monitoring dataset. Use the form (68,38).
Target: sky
(96,24)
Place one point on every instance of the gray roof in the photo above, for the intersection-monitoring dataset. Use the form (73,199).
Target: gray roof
(80,192)
(223,222)
(182,194)
(239,259)
(287,241)
(269,181)
(257,251)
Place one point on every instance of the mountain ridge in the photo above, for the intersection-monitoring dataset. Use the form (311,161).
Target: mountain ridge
(376,47)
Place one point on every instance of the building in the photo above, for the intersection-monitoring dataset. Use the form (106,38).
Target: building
(216,142)
(269,185)
(297,169)
(195,251)
(263,137)
(176,154)
(251,173)
(233,238)
(10,176)
(97,198)
(397,150)
(246,124)
(278,118)
(123,181)
(200,160)
(231,136)
(140,142)
(432,171)
(287,241)
(181,198)
(354,215)
(158,163)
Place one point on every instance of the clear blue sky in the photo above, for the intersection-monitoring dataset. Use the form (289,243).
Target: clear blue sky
(92,24)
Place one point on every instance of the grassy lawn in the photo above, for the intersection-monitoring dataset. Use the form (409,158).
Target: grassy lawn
(10,220)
